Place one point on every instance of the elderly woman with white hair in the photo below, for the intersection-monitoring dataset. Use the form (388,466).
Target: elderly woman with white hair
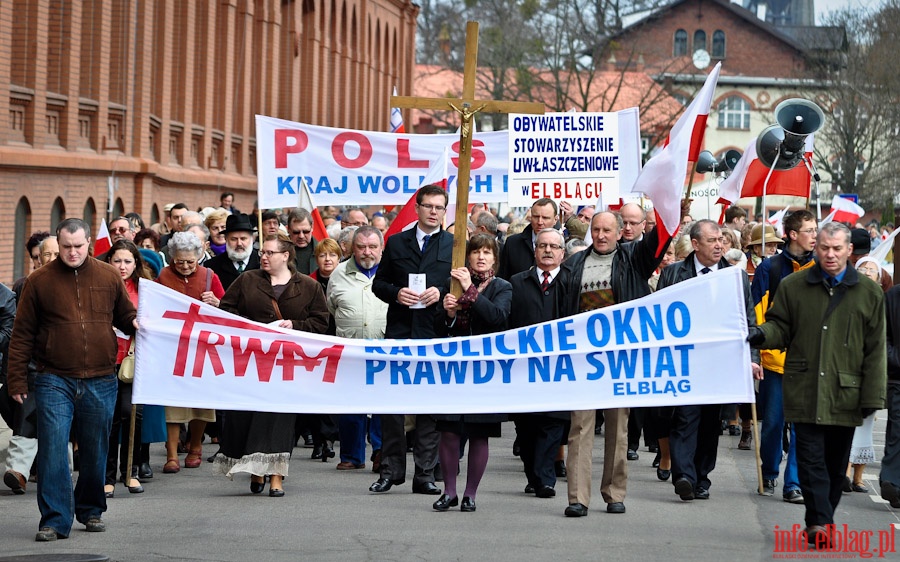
(187,276)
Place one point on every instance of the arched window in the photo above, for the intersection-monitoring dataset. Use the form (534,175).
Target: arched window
(699,40)
(118,208)
(57,214)
(154,214)
(681,47)
(23,222)
(718,44)
(734,113)
(89,215)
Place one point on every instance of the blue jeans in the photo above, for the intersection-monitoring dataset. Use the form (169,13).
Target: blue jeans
(771,437)
(375,431)
(353,429)
(89,403)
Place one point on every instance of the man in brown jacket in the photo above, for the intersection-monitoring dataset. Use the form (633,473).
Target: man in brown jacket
(65,321)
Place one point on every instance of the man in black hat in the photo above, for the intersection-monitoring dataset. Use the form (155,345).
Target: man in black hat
(239,255)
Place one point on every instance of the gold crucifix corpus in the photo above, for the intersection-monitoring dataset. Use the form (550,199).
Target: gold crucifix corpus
(467,106)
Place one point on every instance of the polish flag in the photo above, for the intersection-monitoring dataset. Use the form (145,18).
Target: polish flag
(396,118)
(845,210)
(306,202)
(749,176)
(776,221)
(102,243)
(438,174)
(662,178)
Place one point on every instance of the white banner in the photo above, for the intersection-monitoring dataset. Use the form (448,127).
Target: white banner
(572,156)
(682,345)
(349,167)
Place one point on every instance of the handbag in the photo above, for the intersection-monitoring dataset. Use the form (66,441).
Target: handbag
(126,369)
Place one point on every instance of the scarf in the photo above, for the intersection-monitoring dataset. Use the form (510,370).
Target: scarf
(465,301)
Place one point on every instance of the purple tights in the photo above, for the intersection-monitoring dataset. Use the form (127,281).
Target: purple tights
(449,456)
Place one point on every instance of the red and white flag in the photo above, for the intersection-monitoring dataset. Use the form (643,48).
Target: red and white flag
(749,176)
(306,202)
(438,174)
(776,221)
(103,242)
(845,210)
(396,118)
(662,178)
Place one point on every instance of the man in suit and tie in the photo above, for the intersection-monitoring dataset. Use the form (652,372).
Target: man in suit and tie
(425,251)
(695,430)
(518,251)
(238,255)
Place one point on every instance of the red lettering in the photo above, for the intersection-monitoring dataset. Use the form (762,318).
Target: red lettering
(403,158)
(557,190)
(535,187)
(293,356)
(206,346)
(264,360)
(282,148)
(340,155)
(478,156)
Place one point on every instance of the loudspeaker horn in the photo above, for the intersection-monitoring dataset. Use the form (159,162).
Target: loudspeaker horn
(729,159)
(706,162)
(783,144)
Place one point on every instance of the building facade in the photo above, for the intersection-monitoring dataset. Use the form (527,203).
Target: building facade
(121,105)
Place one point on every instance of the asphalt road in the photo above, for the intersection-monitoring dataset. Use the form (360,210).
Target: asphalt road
(330,515)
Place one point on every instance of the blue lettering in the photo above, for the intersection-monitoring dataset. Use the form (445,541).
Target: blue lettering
(343,188)
(506,367)
(604,330)
(622,326)
(683,386)
(284,185)
(564,368)
(367,183)
(645,353)
(424,371)
(400,369)
(665,363)
(539,366)
(619,388)
(501,346)
(651,323)
(401,350)
(685,362)
(450,351)
(565,332)
(548,337)
(455,370)
(478,377)
(594,360)
(467,349)
(527,339)
(482,183)
(622,361)
(373,367)
(324,185)
(375,349)
(390,184)
(679,330)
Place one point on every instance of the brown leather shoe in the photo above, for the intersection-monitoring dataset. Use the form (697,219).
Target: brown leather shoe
(350,466)
(15,481)
(813,532)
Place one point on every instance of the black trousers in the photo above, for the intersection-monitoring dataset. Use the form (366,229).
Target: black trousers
(539,437)
(693,443)
(638,421)
(823,452)
(426,439)
(118,436)
(890,465)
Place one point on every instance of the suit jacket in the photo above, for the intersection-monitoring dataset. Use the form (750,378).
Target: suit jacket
(517,254)
(224,267)
(533,306)
(402,257)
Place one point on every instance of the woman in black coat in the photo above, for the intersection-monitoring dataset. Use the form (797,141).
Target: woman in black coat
(482,308)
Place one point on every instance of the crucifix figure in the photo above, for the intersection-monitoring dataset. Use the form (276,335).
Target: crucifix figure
(467,106)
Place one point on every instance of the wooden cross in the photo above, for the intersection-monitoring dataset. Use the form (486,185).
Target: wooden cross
(467,106)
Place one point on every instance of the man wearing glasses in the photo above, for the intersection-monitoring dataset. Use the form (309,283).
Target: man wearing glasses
(119,229)
(800,231)
(300,232)
(633,220)
(423,255)
(608,273)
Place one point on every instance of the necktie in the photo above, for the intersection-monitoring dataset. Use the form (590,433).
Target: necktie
(705,270)
(425,242)
(546,284)
(240,266)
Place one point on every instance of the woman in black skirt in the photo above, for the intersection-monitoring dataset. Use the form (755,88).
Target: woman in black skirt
(482,308)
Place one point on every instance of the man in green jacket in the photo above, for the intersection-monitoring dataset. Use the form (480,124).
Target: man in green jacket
(831,321)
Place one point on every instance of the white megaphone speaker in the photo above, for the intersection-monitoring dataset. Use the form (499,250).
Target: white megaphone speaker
(706,162)
(781,146)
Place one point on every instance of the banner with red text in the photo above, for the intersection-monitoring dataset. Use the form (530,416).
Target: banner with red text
(682,345)
(349,167)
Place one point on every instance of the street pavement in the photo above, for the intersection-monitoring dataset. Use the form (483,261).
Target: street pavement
(330,515)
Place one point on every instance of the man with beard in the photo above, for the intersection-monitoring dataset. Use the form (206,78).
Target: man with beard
(239,255)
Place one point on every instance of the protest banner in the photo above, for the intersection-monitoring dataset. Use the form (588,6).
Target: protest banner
(572,156)
(683,345)
(348,167)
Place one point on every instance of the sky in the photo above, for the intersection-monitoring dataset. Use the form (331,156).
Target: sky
(825,6)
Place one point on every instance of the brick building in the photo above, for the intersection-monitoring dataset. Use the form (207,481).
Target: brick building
(762,65)
(121,105)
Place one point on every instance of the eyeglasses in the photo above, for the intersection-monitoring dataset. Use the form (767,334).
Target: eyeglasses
(429,208)
(303,232)
(270,253)
(544,246)
(120,230)
(632,224)
(185,262)
(809,231)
